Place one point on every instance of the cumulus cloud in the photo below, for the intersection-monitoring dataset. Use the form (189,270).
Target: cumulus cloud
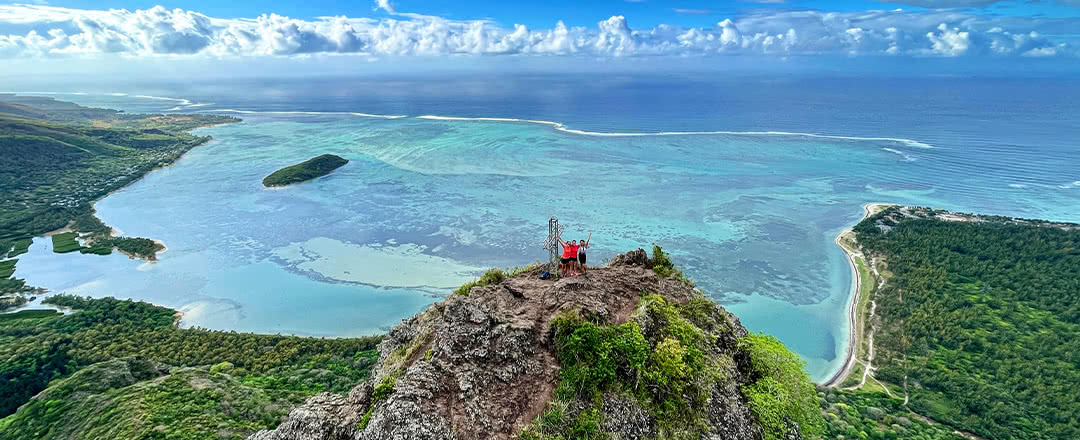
(158,31)
(384,5)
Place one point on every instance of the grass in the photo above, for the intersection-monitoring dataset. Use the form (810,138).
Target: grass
(495,276)
(21,247)
(65,242)
(30,314)
(492,276)
(862,309)
(854,376)
(97,249)
(7,268)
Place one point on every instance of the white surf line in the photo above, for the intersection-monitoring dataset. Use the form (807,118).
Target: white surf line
(907,157)
(182,101)
(562,127)
(305,113)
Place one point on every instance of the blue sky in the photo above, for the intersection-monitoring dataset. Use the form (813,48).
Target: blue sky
(130,32)
(573,13)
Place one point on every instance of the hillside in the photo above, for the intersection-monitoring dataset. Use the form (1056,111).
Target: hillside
(976,322)
(620,353)
(121,370)
(58,158)
(304,171)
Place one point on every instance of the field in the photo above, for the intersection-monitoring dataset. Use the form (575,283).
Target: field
(66,242)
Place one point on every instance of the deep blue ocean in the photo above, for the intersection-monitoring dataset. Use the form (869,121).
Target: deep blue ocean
(745,180)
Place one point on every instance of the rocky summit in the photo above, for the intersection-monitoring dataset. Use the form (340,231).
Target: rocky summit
(629,351)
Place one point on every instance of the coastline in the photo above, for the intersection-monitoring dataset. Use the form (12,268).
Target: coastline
(114,232)
(854,297)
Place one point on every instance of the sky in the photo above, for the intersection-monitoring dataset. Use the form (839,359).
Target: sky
(49,33)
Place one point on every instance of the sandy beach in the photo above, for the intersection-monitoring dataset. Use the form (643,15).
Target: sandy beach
(854,297)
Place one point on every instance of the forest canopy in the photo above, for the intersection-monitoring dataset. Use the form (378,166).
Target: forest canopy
(980,318)
(302,172)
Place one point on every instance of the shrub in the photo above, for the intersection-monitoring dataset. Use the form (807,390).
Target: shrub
(382,392)
(665,268)
(492,276)
(782,397)
(223,367)
(594,357)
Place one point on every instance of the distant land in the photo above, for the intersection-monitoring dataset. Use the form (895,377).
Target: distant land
(304,171)
(58,158)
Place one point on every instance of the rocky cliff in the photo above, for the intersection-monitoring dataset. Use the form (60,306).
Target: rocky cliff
(620,353)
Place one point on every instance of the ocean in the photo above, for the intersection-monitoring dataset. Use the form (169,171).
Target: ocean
(745,180)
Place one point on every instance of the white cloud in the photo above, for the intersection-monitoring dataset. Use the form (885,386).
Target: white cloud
(384,5)
(692,11)
(59,32)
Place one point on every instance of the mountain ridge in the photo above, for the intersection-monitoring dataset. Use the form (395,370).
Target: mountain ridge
(508,360)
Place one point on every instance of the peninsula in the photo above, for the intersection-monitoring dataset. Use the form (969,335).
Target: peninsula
(59,158)
(304,171)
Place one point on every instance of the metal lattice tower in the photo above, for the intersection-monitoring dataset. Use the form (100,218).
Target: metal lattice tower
(555,231)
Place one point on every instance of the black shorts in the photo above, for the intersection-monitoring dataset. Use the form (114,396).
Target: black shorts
(567,260)
(581,258)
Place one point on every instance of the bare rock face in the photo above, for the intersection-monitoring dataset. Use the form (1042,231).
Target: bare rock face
(325,416)
(482,366)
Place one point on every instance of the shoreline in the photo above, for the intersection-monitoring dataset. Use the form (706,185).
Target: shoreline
(854,296)
(112,230)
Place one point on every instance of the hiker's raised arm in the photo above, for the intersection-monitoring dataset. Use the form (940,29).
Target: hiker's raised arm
(588,239)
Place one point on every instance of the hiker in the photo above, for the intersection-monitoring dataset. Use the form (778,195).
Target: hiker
(581,254)
(569,254)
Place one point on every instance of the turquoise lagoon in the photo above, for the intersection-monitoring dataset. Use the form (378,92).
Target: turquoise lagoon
(426,204)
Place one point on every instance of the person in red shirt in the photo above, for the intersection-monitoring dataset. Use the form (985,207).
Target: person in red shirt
(569,257)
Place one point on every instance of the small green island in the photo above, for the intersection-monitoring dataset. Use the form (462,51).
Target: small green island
(304,171)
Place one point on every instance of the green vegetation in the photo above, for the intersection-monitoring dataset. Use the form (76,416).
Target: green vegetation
(134,398)
(143,247)
(7,268)
(782,396)
(309,169)
(854,415)
(664,268)
(381,392)
(492,276)
(265,373)
(65,242)
(18,247)
(670,369)
(980,321)
(59,157)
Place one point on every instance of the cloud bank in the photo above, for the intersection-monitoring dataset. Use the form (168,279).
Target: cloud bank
(62,32)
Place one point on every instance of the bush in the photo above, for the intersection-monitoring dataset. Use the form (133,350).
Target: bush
(223,367)
(492,276)
(665,268)
(782,397)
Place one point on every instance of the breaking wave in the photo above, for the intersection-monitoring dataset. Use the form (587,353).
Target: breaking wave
(562,127)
